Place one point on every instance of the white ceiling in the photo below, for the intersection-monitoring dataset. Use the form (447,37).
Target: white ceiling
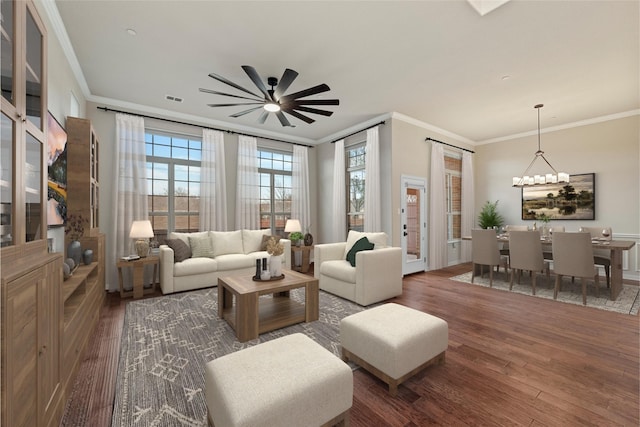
(439,62)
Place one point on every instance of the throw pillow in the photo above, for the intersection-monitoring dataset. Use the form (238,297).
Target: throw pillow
(201,247)
(252,240)
(361,245)
(227,242)
(181,250)
(265,240)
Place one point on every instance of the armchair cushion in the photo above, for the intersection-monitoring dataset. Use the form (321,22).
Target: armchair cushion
(378,239)
(339,269)
(201,247)
(181,250)
(361,245)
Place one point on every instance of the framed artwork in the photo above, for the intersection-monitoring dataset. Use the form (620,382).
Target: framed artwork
(56,172)
(575,200)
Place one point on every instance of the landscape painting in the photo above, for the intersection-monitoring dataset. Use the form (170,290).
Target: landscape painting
(57,173)
(573,200)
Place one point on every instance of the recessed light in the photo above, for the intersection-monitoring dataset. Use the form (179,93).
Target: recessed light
(505,77)
(131,32)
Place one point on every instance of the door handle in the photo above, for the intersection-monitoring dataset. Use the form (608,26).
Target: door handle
(405,234)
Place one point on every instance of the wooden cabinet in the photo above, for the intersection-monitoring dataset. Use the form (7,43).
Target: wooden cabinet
(31,327)
(82,172)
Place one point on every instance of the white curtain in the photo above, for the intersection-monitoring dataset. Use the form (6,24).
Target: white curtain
(248,180)
(339,216)
(372,213)
(213,186)
(300,202)
(437,210)
(468,203)
(130,188)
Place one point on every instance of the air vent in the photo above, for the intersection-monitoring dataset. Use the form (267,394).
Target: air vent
(173,98)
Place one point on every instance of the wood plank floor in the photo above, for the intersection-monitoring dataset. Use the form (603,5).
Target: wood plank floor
(512,360)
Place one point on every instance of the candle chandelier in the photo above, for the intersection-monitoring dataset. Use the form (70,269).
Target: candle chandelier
(527,180)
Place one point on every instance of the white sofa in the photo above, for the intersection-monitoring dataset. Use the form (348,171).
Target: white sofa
(233,253)
(377,275)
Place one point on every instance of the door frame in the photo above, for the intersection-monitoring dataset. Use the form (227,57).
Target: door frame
(420,183)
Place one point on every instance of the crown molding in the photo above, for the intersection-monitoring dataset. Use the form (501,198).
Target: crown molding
(427,126)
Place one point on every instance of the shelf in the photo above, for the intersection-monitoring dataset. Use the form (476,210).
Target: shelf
(79,277)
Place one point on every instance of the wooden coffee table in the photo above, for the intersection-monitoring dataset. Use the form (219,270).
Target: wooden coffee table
(251,315)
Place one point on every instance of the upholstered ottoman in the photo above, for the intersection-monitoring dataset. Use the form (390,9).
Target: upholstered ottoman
(290,381)
(393,342)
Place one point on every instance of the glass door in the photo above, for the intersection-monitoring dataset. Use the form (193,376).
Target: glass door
(413,222)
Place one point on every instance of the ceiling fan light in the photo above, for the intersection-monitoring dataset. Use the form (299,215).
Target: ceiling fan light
(272,107)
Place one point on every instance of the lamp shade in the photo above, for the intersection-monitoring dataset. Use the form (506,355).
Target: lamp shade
(292,225)
(141,229)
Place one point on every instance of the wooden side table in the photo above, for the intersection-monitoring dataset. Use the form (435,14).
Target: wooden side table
(138,276)
(306,255)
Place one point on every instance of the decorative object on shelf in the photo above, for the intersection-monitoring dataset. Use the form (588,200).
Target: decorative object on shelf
(275,249)
(551,178)
(142,231)
(296,238)
(74,251)
(66,271)
(71,264)
(489,216)
(87,257)
(258,269)
(74,229)
(308,238)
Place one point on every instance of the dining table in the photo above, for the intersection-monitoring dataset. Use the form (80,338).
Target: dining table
(616,247)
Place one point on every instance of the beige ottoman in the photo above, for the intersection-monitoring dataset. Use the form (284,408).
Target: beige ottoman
(393,342)
(290,381)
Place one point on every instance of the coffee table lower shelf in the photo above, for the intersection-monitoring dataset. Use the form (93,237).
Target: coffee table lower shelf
(274,313)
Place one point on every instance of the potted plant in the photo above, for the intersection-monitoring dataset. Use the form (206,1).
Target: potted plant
(489,216)
(296,237)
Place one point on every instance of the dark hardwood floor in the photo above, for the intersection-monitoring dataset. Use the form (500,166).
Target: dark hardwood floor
(512,360)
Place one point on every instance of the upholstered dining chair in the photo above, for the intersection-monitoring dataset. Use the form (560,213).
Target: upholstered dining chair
(484,248)
(525,253)
(573,256)
(601,256)
(504,250)
(547,253)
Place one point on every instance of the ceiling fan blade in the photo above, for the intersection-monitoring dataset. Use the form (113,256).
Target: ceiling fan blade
(316,102)
(315,111)
(299,116)
(215,92)
(285,81)
(255,78)
(232,84)
(235,105)
(307,92)
(263,117)
(242,113)
(283,119)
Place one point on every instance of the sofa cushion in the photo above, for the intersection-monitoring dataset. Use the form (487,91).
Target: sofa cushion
(265,240)
(185,236)
(361,245)
(339,269)
(235,262)
(181,250)
(378,239)
(227,242)
(193,266)
(201,247)
(252,239)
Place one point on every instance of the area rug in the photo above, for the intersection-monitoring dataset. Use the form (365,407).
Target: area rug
(626,303)
(167,341)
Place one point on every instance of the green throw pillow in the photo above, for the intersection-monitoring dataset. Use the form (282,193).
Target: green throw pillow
(361,245)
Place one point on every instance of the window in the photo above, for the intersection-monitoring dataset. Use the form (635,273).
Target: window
(453,180)
(355,187)
(275,189)
(173,182)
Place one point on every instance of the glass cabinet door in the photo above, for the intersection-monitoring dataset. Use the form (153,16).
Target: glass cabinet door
(7,47)
(7,130)
(33,72)
(33,189)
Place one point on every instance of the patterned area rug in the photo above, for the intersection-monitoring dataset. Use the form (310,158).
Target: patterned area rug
(626,303)
(167,341)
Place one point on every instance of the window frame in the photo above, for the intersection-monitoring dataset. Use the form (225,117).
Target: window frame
(348,170)
(273,173)
(449,175)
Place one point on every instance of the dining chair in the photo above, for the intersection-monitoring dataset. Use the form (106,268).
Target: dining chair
(504,251)
(546,253)
(601,256)
(484,248)
(573,256)
(525,249)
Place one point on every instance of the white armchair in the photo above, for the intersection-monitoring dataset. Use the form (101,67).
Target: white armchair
(377,274)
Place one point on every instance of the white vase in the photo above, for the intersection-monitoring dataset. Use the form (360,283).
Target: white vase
(275,265)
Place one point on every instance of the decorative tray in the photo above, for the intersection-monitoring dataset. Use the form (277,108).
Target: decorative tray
(257,279)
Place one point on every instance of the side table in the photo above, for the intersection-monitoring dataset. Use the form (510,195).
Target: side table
(306,255)
(138,276)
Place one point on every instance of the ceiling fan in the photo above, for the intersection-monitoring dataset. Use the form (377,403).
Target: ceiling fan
(274,100)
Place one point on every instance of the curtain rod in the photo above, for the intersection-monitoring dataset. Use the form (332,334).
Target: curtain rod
(200,126)
(450,145)
(361,130)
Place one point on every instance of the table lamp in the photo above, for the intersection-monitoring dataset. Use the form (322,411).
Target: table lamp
(292,225)
(142,231)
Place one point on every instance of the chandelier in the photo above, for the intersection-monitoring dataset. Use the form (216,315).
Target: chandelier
(551,178)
